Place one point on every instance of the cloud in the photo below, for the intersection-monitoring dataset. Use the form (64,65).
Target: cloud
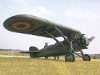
(83,12)
(38,11)
(42,11)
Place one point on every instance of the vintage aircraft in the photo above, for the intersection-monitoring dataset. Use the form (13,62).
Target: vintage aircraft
(73,41)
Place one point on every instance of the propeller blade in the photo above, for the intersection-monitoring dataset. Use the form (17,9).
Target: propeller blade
(90,39)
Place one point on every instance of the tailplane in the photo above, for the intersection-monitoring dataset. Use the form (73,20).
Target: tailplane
(32,51)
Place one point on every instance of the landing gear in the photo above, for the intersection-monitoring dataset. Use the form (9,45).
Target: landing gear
(70,57)
(86,57)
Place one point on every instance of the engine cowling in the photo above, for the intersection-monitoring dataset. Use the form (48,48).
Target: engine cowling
(84,41)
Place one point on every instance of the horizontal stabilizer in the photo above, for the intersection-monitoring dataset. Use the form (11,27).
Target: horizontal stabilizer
(29,52)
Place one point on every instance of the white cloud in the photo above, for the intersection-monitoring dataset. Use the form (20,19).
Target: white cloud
(42,11)
(38,11)
(83,12)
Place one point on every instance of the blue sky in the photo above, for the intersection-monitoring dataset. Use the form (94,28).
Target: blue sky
(82,15)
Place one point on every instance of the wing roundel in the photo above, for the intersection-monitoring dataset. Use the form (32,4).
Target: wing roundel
(20,26)
(19,23)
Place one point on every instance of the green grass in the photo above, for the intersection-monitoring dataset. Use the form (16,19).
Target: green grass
(26,66)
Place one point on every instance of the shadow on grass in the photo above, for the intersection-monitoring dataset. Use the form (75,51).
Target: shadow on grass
(49,59)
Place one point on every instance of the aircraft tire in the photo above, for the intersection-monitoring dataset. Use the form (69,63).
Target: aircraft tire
(70,57)
(86,57)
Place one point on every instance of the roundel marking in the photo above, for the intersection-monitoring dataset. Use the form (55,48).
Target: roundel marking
(20,26)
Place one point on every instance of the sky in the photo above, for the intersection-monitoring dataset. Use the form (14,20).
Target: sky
(82,15)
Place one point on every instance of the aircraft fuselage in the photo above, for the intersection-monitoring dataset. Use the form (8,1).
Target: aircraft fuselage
(57,49)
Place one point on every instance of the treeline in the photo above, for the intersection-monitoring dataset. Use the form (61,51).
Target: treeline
(10,50)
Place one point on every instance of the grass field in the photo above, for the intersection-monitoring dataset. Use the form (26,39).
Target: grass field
(26,66)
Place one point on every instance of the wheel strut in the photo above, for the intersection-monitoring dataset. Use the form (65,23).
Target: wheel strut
(85,57)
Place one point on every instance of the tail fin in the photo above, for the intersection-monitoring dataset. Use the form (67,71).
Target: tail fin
(33,51)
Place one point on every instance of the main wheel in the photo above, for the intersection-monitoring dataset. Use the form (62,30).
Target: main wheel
(70,57)
(86,57)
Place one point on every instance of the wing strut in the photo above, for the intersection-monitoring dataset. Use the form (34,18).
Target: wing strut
(69,42)
(55,39)
(66,39)
(62,34)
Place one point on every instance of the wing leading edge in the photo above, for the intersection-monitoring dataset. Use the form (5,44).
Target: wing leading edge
(29,24)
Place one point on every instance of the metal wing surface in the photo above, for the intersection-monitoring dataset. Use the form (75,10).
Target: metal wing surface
(33,25)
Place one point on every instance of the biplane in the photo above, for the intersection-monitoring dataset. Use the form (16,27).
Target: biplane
(74,41)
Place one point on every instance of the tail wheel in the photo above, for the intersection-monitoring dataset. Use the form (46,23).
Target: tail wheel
(86,57)
(70,57)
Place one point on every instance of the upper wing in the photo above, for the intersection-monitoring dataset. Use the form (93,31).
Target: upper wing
(36,26)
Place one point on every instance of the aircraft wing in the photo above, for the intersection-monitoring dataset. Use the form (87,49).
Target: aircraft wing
(33,25)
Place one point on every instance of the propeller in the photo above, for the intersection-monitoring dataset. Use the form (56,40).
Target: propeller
(83,41)
(90,39)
